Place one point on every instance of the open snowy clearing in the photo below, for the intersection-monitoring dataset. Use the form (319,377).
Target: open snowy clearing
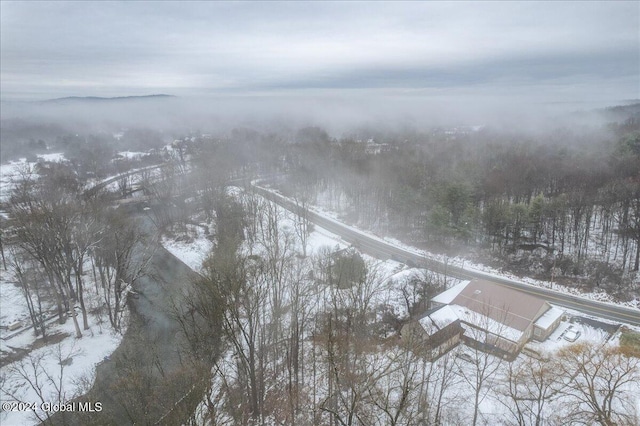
(34,358)
(191,247)
(12,170)
(57,383)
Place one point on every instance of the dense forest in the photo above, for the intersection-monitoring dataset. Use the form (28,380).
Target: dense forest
(558,204)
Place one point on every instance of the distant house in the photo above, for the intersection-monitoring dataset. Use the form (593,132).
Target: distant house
(374,148)
(497,318)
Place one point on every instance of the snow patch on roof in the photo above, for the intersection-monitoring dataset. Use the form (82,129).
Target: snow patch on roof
(438,320)
(447,296)
(483,326)
(549,317)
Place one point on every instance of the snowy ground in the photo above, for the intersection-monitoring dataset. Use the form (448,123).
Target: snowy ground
(64,366)
(12,305)
(132,155)
(12,170)
(336,203)
(56,383)
(396,272)
(191,248)
(557,341)
(55,157)
(153,172)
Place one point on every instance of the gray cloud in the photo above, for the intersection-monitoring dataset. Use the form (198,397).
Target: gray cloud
(561,51)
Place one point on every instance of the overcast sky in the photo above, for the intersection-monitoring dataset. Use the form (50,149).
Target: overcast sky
(548,51)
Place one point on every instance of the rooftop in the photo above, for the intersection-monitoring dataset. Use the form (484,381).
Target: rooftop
(438,319)
(549,317)
(513,308)
(485,325)
(447,296)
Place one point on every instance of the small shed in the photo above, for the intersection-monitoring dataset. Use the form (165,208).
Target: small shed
(547,323)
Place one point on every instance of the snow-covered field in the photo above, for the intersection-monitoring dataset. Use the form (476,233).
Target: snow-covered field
(192,249)
(132,155)
(12,305)
(13,170)
(55,383)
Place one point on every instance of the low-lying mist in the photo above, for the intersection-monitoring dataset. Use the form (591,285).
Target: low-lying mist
(337,114)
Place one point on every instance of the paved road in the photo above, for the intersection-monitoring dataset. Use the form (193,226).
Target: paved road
(383,249)
(112,179)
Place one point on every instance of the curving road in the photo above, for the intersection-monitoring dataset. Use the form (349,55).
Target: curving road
(380,248)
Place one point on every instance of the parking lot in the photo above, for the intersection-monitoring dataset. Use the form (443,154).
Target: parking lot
(575,329)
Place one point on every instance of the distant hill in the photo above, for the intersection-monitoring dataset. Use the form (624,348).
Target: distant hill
(621,113)
(631,108)
(97,99)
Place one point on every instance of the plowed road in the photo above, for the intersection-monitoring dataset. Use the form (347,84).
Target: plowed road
(382,249)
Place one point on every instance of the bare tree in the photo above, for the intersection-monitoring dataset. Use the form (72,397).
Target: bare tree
(528,389)
(599,383)
(233,296)
(443,381)
(168,193)
(46,217)
(302,224)
(303,301)
(434,381)
(487,349)
(34,289)
(396,391)
(3,224)
(120,259)
(48,384)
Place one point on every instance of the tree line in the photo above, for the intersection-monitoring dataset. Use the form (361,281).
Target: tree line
(557,204)
(63,243)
